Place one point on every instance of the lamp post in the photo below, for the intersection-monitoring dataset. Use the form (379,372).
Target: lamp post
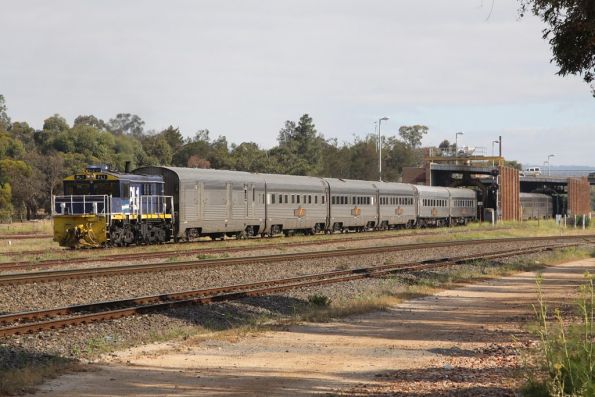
(457,143)
(549,165)
(493,151)
(380,148)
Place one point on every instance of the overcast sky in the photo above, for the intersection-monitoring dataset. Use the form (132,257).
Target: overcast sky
(241,68)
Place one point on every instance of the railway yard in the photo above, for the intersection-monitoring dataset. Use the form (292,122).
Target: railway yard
(64,310)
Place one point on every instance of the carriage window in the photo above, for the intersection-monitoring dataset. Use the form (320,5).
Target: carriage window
(272,199)
(323,199)
(315,199)
(309,199)
(297,197)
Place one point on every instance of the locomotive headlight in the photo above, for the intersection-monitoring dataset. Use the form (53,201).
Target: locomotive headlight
(62,208)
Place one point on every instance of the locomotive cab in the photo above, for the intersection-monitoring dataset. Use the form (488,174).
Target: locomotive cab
(101,207)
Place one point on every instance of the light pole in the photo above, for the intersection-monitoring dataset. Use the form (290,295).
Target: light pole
(493,151)
(457,143)
(549,165)
(380,148)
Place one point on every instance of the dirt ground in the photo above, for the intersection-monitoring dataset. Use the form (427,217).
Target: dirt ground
(458,342)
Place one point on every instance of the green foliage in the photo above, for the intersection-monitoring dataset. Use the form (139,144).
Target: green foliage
(570,31)
(412,135)
(4,119)
(5,200)
(319,300)
(567,347)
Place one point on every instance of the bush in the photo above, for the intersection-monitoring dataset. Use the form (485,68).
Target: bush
(567,347)
(319,300)
(579,221)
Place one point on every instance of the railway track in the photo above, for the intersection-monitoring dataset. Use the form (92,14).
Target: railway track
(58,275)
(24,236)
(12,265)
(49,262)
(37,321)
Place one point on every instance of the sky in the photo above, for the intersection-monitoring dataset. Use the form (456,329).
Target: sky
(241,68)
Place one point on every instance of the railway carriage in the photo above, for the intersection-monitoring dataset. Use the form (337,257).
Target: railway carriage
(433,208)
(463,205)
(396,205)
(353,204)
(536,206)
(295,203)
(214,203)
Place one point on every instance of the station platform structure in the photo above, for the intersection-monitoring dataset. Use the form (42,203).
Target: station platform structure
(499,186)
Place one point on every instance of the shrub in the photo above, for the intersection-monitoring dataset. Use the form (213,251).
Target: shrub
(567,347)
(319,300)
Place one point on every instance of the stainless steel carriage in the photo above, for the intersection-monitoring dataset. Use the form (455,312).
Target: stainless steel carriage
(396,205)
(432,205)
(295,203)
(353,204)
(214,203)
(536,206)
(463,205)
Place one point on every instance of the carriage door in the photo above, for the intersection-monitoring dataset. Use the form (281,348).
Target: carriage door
(229,202)
(246,202)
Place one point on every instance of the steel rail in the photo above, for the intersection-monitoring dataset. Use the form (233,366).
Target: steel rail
(113,309)
(166,253)
(57,275)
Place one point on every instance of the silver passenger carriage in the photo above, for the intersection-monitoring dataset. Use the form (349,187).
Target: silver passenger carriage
(295,203)
(214,203)
(463,205)
(396,205)
(536,206)
(353,204)
(432,205)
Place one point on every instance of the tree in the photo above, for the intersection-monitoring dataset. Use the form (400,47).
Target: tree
(249,157)
(55,123)
(126,123)
(90,120)
(412,135)
(173,137)
(196,162)
(514,164)
(4,119)
(570,32)
(300,143)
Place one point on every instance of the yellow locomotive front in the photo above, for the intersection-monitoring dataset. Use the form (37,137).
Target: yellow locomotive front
(101,207)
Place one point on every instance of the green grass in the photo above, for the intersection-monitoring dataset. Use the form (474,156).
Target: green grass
(566,355)
(41,226)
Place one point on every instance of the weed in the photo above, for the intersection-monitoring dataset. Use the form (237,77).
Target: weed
(319,300)
(566,354)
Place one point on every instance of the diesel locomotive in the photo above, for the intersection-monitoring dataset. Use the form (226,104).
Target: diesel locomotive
(101,207)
